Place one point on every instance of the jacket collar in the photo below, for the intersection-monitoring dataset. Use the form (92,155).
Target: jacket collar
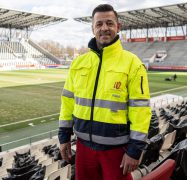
(115,44)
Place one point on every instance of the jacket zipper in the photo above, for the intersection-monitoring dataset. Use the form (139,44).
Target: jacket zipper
(94,94)
(142,85)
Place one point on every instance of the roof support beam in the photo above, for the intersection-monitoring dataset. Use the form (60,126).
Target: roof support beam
(21,20)
(10,18)
(172,14)
(126,21)
(138,16)
(182,7)
(165,16)
(162,15)
(146,16)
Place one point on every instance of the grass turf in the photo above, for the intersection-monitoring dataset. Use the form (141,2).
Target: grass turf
(28,94)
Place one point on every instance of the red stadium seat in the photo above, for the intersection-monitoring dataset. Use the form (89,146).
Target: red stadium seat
(163,172)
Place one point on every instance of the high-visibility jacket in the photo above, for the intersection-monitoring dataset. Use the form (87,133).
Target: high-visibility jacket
(106,99)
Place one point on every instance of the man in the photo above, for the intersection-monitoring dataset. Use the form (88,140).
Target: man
(174,77)
(106,100)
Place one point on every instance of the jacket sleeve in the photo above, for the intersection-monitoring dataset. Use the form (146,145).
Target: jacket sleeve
(139,110)
(66,111)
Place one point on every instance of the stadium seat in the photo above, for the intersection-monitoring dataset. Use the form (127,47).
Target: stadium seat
(3,173)
(181,129)
(43,158)
(179,154)
(46,162)
(164,128)
(37,154)
(151,153)
(51,168)
(137,174)
(62,173)
(168,141)
(163,172)
(7,164)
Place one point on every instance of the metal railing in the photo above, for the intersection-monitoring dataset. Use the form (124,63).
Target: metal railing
(28,140)
(165,101)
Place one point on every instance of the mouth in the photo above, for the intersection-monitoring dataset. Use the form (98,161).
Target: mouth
(105,36)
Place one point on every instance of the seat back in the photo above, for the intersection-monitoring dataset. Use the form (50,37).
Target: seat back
(169,140)
(163,172)
(151,154)
(62,173)
(51,168)
(46,162)
(164,128)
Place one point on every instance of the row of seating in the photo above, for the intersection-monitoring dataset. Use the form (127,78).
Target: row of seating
(169,142)
(46,167)
(167,137)
(20,53)
(176,51)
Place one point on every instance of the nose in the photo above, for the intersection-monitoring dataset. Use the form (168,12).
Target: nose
(104,26)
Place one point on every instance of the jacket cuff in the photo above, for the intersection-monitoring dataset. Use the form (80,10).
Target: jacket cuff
(64,134)
(135,148)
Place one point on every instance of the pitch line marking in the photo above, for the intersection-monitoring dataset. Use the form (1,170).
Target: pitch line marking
(28,120)
(169,90)
(35,83)
(56,87)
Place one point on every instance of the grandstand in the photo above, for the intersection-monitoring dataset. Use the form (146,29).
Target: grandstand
(168,128)
(166,140)
(175,51)
(147,32)
(17,51)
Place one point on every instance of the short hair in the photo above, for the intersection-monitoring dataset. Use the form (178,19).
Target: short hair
(104,8)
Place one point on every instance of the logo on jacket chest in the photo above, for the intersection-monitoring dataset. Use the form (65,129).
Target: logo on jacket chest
(117,85)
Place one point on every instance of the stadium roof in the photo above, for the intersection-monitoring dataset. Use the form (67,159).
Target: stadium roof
(165,16)
(22,20)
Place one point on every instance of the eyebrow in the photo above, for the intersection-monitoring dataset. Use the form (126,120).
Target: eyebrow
(108,20)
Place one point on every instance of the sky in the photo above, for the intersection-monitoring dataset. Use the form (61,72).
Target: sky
(72,33)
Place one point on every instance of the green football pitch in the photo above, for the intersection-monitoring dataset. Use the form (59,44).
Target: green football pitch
(30,99)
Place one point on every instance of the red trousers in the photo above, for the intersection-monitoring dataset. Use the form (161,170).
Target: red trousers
(99,165)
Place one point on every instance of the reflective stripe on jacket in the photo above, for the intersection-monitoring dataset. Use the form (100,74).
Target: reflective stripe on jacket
(106,97)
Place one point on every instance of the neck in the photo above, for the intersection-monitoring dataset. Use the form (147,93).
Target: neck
(101,46)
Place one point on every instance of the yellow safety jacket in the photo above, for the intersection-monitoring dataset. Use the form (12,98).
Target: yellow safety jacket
(106,98)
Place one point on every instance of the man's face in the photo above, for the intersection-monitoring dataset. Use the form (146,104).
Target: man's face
(105,28)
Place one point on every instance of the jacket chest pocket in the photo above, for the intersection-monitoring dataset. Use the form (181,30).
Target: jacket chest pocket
(115,81)
(81,78)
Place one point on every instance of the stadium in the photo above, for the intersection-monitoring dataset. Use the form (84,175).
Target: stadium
(31,82)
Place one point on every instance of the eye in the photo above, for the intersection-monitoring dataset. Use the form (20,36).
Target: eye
(98,24)
(110,23)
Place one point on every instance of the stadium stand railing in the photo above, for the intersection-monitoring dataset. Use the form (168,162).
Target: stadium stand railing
(28,140)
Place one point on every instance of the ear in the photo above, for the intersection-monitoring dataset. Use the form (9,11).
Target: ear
(119,27)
